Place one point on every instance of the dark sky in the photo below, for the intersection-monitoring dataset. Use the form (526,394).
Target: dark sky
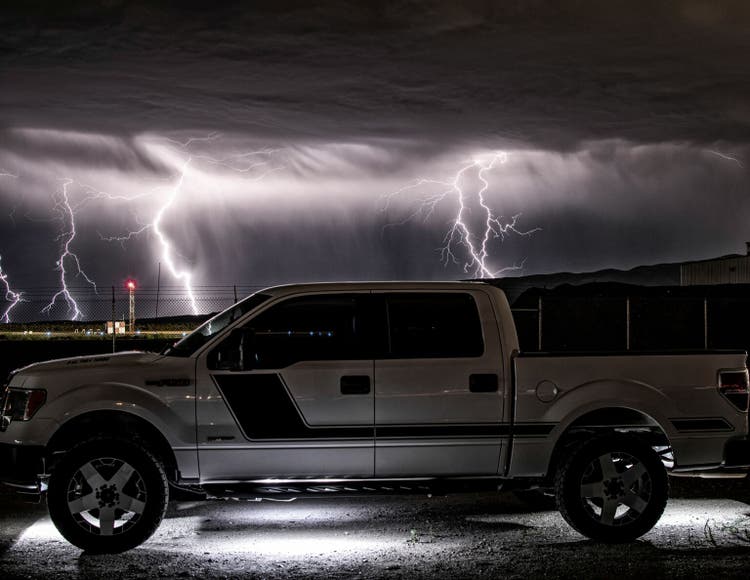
(276,141)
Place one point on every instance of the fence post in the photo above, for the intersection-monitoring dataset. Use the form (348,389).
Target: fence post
(539,329)
(705,323)
(627,323)
(114,334)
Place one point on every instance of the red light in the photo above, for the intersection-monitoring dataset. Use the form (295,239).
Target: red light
(735,386)
(130,284)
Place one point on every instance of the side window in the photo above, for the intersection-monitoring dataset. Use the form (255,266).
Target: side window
(309,328)
(432,325)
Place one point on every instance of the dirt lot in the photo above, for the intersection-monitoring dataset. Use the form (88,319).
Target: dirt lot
(703,533)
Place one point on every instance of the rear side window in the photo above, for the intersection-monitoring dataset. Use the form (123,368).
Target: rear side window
(431,325)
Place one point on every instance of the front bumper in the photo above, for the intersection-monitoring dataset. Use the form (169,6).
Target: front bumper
(22,467)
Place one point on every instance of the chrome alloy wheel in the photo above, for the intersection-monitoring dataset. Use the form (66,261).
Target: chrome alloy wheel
(106,496)
(615,488)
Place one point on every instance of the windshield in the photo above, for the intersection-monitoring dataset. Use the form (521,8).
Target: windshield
(215,325)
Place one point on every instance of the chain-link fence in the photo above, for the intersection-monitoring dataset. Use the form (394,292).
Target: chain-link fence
(545,320)
(162,305)
(637,323)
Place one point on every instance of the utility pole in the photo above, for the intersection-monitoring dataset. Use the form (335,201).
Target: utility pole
(158,287)
(131,295)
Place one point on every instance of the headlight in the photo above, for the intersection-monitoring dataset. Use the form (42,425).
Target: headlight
(22,404)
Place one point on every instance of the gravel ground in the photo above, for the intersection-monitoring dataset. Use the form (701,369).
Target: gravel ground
(703,531)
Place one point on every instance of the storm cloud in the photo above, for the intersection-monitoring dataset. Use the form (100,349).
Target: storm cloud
(626,125)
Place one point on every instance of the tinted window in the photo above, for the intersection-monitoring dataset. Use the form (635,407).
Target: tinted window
(326,327)
(433,325)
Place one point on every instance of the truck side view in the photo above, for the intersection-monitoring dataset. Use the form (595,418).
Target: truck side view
(367,385)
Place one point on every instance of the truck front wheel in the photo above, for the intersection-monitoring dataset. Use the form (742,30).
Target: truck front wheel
(107,495)
(612,488)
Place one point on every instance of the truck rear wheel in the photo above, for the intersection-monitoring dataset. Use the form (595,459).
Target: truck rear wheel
(107,495)
(612,488)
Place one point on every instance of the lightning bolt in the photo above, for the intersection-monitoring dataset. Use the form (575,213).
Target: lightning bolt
(724,156)
(10,295)
(67,215)
(475,245)
(166,245)
(213,136)
(167,257)
(254,164)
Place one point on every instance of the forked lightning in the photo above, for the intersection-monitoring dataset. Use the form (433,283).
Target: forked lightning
(11,296)
(476,245)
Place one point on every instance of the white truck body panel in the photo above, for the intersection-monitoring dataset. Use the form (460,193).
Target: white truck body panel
(665,387)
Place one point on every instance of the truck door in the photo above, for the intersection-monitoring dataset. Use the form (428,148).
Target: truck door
(438,385)
(300,401)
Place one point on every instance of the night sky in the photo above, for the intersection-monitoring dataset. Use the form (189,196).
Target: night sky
(280,141)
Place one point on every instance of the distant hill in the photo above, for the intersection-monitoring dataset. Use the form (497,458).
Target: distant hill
(654,275)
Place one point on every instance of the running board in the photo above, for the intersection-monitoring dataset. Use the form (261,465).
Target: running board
(287,489)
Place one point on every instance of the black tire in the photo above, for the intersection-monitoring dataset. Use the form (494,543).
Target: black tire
(612,488)
(107,495)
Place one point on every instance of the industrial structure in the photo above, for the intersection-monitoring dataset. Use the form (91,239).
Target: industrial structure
(732,269)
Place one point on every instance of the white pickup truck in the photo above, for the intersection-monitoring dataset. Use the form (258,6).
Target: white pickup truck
(313,388)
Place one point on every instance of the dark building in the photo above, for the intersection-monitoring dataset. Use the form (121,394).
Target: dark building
(732,269)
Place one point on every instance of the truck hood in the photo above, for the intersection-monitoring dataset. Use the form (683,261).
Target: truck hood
(80,363)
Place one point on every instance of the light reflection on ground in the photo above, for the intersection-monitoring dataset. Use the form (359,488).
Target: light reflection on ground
(413,536)
(307,527)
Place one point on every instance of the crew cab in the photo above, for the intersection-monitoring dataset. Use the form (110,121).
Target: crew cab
(352,386)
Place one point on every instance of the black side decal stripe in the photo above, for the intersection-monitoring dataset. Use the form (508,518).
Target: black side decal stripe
(485,430)
(403,431)
(264,410)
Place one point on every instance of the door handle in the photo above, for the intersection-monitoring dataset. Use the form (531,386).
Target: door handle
(483,383)
(355,385)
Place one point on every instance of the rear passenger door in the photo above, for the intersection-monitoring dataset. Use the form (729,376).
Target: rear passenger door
(438,379)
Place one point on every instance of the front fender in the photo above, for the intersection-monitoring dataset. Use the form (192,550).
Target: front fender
(171,411)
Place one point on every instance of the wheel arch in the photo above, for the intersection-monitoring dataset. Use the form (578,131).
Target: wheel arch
(606,420)
(115,423)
